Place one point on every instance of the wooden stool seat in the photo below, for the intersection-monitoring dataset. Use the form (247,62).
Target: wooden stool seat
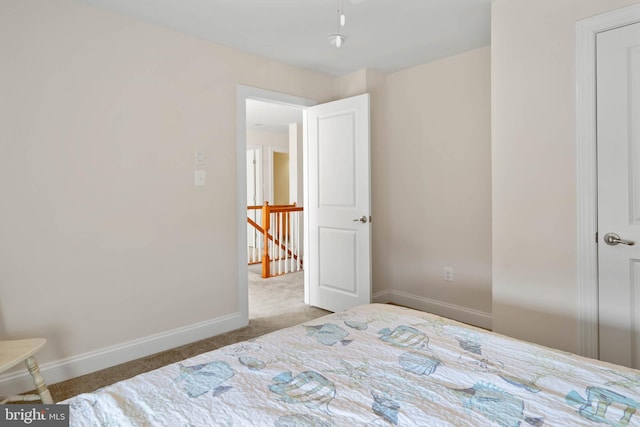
(17,351)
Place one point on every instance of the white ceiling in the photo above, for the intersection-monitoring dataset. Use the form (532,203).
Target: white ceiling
(271,117)
(383,35)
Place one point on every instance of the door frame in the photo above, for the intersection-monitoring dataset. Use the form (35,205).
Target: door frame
(586,169)
(259,200)
(242,94)
(260,186)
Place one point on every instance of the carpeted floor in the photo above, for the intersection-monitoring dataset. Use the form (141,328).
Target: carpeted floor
(274,304)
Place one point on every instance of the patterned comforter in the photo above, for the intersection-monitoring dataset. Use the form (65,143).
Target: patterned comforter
(374,365)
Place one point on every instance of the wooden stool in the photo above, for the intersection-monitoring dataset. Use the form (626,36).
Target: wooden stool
(14,352)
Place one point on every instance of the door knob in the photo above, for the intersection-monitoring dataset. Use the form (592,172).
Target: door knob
(613,239)
(362,219)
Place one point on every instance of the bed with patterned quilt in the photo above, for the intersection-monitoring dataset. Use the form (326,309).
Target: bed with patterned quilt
(373,365)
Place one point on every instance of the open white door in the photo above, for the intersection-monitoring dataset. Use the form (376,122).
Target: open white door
(338,204)
(618,106)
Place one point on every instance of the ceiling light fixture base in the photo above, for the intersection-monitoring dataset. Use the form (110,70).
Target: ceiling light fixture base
(336,40)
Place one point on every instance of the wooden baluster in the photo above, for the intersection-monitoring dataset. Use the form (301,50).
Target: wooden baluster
(252,238)
(255,253)
(249,234)
(290,240)
(254,241)
(283,239)
(279,247)
(275,255)
(259,243)
(289,243)
(274,247)
(274,234)
(285,220)
(297,237)
(266,225)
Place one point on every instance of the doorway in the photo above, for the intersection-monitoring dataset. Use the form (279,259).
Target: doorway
(245,94)
(338,210)
(275,130)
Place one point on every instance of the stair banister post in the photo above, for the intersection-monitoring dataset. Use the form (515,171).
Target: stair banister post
(266,224)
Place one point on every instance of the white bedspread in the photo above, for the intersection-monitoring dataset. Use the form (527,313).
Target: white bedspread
(374,365)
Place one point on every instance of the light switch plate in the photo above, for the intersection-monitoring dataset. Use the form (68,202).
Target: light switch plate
(199,157)
(448,274)
(199,178)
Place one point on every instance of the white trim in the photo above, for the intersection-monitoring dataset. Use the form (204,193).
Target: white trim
(305,202)
(587,248)
(450,311)
(242,94)
(259,171)
(61,370)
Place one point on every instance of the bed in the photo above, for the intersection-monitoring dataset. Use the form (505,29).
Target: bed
(373,365)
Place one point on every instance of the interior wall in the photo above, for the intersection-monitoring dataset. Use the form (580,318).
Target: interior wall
(436,191)
(281,178)
(296,171)
(106,243)
(535,289)
(106,237)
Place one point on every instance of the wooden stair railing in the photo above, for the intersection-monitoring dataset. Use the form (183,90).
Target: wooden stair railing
(281,238)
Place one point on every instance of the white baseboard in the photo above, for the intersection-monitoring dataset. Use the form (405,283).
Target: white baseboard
(451,311)
(62,370)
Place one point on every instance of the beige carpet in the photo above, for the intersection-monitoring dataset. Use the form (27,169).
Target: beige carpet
(274,304)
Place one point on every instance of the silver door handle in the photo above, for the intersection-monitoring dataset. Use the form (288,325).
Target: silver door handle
(613,239)
(362,219)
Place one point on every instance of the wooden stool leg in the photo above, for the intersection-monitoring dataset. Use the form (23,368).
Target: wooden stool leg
(41,386)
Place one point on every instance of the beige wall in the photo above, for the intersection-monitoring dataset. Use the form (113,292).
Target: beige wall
(432,187)
(106,245)
(535,290)
(296,172)
(281,178)
(104,238)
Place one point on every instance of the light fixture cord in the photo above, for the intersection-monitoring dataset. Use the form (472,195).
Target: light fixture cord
(339,13)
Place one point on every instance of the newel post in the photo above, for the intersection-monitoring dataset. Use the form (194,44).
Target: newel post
(266,224)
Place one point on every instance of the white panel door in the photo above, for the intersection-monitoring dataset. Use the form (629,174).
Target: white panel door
(339,204)
(618,123)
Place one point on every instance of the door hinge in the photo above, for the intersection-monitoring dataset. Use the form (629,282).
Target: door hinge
(596,237)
